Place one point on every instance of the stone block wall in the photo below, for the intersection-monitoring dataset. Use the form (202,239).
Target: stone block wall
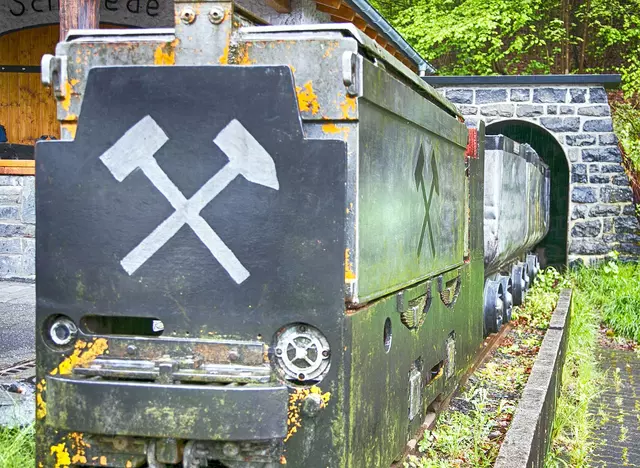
(17,227)
(601,206)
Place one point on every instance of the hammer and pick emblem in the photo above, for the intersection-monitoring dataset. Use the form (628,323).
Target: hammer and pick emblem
(136,150)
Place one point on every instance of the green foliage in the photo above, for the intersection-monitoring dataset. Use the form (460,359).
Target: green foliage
(17,447)
(482,37)
(613,289)
(541,299)
(607,293)
(462,438)
(581,383)
(626,121)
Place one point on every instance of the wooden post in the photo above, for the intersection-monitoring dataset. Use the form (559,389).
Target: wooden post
(78,14)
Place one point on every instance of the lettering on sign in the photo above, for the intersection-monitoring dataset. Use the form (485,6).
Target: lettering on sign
(19,14)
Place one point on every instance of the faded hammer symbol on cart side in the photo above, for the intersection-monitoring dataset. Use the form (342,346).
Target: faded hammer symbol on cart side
(136,150)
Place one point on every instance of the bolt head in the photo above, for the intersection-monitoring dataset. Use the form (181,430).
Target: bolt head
(131,349)
(188,15)
(233,355)
(216,15)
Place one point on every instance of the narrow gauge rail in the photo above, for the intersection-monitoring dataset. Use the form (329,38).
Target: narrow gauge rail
(261,245)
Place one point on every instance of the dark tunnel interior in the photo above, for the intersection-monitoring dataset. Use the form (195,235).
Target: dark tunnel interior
(553,248)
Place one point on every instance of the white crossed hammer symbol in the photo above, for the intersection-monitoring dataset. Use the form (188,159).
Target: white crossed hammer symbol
(136,149)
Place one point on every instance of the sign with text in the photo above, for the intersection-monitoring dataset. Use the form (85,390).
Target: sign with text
(20,14)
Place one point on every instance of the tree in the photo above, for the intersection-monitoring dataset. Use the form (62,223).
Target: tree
(523,36)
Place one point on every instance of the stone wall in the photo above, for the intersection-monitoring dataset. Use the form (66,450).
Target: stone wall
(601,209)
(17,227)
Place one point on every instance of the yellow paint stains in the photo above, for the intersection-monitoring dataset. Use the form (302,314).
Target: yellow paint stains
(71,127)
(294,421)
(79,446)
(65,103)
(41,405)
(61,454)
(332,46)
(348,108)
(128,464)
(307,98)
(224,58)
(349,208)
(329,128)
(243,55)
(165,54)
(82,355)
(103,460)
(283,460)
(349,274)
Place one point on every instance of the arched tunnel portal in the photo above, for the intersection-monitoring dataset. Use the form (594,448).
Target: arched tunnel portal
(553,248)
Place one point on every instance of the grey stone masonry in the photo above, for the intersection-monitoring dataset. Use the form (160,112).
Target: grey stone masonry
(601,209)
(17,227)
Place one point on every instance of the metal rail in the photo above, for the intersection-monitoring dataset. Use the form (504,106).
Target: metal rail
(488,346)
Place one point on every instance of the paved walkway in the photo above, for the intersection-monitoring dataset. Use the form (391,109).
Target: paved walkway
(17,322)
(618,411)
(17,345)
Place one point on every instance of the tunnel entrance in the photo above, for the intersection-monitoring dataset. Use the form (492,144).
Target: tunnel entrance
(553,248)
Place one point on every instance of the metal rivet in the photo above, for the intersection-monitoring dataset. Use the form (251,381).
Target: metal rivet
(233,355)
(216,15)
(131,349)
(230,449)
(279,351)
(120,443)
(188,15)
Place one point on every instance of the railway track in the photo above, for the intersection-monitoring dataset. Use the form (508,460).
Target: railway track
(488,346)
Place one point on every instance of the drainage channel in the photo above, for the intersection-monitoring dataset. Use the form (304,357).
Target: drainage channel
(19,371)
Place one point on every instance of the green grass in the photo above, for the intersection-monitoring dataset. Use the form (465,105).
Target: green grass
(607,294)
(17,447)
(613,289)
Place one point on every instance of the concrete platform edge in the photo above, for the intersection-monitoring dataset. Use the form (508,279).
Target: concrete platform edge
(527,440)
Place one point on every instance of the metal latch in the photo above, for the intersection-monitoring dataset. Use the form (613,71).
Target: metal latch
(352,73)
(54,74)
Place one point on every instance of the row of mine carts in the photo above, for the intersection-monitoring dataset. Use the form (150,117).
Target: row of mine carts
(516,218)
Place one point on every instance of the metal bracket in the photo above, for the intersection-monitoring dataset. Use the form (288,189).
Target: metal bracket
(450,366)
(415,393)
(352,73)
(54,74)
